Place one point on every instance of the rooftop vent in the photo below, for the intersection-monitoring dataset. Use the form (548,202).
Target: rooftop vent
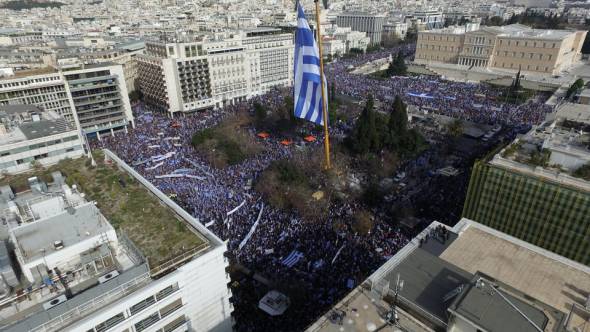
(37,186)
(58,245)
(108,276)
(58,300)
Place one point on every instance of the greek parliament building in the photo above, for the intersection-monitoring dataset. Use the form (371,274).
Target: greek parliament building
(506,47)
(534,189)
(197,72)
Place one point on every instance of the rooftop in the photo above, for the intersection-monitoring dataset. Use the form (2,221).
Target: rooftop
(484,301)
(557,151)
(71,223)
(36,239)
(492,279)
(158,232)
(545,276)
(575,112)
(512,30)
(30,72)
(28,122)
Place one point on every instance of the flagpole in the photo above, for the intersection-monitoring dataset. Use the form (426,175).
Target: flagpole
(324,106)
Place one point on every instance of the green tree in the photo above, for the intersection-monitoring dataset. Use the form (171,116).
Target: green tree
(365,138)
(259,114)
(574,88)
(583,172)
(455,128)
(333,91)
(397,67)
(397,126)
(496,21)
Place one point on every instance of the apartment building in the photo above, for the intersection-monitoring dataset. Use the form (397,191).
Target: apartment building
(80,272)
(31,135)
(45,88)
(100,98)
(92,98)
(510,47)
(425,19)
(10,36)
(363,22)
(395,29)
(205,72)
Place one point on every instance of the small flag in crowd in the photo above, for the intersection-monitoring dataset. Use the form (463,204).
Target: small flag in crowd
(307,88)
(293,258)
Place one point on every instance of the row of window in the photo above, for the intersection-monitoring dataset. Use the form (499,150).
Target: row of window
(537,56)
(482,40)
(439,47)
(139,307)
(527,43)
(30,81)
(41,156)
(440,37)
(37,146)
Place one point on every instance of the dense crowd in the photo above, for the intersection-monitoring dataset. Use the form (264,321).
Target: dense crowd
(159,148)
(480,103)
(334,259)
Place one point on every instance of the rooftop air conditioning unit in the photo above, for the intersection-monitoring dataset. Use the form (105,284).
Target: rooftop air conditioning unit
(108,276)
(58,245)
(58,300)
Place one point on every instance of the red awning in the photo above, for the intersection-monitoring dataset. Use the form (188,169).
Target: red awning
(286,142)
(309,138)
(263,135)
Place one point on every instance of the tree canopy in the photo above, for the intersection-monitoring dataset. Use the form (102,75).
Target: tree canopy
(574,88)
(374,131)
(397,67)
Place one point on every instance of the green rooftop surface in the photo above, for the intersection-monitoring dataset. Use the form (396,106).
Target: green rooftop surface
(154,229)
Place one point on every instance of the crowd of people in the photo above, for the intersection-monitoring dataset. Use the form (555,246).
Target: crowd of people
(481,103)
(333,256)
(223,200)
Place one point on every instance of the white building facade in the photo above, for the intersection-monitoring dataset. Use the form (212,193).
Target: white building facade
(197,74)
(364,22)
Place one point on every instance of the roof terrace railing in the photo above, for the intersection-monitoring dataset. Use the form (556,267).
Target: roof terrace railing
(178,260)
(100,301)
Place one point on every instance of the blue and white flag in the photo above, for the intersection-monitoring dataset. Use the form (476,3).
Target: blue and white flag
(307,89)
(293,258)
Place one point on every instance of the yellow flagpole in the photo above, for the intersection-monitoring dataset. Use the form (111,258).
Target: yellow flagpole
(324,106)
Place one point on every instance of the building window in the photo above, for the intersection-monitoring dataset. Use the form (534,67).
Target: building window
(142,305)
(109,323)
(170,308)
(147,322)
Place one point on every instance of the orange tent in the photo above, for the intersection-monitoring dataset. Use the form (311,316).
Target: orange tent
(309,138)
(286,142)
(263,135)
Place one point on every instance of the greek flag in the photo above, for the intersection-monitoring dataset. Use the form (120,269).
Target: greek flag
(293,258)
(307,93)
